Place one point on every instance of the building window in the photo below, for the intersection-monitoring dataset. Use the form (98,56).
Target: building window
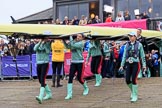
(156,8)
(107,2)
(122,5)
(152,7)
(133,4)
(93,9)
(62,12)
(71,10)
(83,10)
(145,6)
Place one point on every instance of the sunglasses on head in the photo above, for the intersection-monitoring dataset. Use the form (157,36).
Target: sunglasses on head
(130,35)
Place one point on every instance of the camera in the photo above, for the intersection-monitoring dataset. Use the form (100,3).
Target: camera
(12,40)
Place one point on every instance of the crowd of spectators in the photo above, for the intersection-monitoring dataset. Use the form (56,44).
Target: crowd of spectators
(17,47)
(25,47)
(125,17)
(117,50)
(75,21)
(84,20)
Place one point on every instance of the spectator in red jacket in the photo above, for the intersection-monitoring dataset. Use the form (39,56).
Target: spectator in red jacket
(109,19)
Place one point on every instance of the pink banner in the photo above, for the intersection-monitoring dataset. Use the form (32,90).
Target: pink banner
(124,24)
(67,62)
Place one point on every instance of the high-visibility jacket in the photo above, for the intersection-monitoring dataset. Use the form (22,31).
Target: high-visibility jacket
(57,51)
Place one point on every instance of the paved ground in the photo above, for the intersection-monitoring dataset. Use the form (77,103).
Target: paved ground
(112,94)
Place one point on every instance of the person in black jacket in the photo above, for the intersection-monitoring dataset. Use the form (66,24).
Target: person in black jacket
(142,40)
(75,21)
(127,16)
(144,43)
(144,15)
(96,20)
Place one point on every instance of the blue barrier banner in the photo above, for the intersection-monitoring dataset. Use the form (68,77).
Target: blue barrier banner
(9,67)
(34,66)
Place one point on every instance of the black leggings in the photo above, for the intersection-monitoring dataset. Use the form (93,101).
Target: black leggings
(132,71)
(42,70)
(96,64)
(105,68)
(57,66)
(76,67)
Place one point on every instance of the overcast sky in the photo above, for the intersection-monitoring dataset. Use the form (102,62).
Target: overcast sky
(21,8)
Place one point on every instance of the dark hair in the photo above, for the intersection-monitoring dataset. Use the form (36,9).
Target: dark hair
(12,41)
(82,35)
(139,29)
